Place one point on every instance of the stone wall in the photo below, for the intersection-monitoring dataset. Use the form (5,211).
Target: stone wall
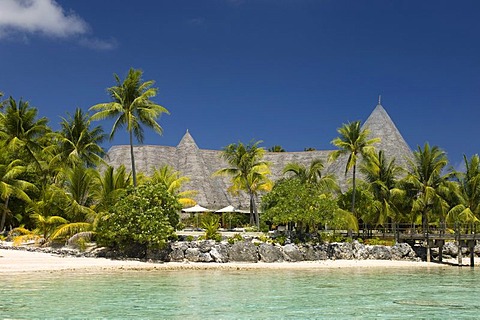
(250,250)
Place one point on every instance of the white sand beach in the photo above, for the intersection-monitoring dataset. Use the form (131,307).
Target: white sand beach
(14,261)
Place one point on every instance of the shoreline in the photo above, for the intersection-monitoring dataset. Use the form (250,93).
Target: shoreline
(20,261)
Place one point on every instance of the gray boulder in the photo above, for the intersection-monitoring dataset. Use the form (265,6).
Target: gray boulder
(315,252)
(219,253)
(403,251)
(270,253)
(243,251)
(205,245)
(178,251)
(340,250)
(379,252)
(360,252)
(192,254)
(292,253)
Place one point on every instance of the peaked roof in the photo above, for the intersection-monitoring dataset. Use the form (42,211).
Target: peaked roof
(187,142)
(200,164)
(391,141)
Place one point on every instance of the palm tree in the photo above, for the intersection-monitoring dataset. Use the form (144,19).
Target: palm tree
(11,184)
(312,174)
(426,180)
(111,183)
(467,193)
(131,107)
(79,187)
(78,143)
(354,142)
(248,172)
(382,175)
(21,130)
(276,148)
(174,181)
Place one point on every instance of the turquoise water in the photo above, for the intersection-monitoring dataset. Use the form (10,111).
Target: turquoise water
(321,294)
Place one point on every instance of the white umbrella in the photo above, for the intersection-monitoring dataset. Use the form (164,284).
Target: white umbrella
(196,208)
(227,209)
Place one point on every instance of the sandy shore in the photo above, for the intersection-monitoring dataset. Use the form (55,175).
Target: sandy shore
(14,261)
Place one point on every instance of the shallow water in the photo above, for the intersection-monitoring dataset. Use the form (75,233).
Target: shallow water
(372,293)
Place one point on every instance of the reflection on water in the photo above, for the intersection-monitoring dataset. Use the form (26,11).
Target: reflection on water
(315,294)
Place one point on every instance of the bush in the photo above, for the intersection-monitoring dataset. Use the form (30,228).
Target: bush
(146,215)
(211,225)
(379,242)
(331,237)
(236,237)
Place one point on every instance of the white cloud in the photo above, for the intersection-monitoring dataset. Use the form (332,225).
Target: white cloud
(39,16)
(99,44)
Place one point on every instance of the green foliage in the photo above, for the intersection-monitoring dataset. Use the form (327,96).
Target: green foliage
(235,238)
(248,172)
(280,240)
(353,141)
(174,181)
(78,143)
(211,225)
(426,179)
(131,107)
(265,238)
(300,203)
(379,242)
(365,203)
(146,215)
(330,237)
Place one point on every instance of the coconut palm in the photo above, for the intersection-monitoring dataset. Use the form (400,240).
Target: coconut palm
(174,181)
(276,148)
(131,107)
(21,130)
(78,143)
(354,142)
(79,187)
(248,172)
(467,193)
(381,176)
(312,174)
(427,181)
(111,183)
(11,184)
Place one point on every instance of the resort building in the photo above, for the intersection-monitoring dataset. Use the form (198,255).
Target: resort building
(200,164)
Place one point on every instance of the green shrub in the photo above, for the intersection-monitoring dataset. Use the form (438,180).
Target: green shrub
(280,240)
(331,237)
(236,237)
(146,215)
(211,225)
(379,242)
(264,238)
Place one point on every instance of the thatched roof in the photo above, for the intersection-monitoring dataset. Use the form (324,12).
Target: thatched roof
(200,164)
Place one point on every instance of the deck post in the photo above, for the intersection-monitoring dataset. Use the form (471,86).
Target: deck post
(471,247)
(428,247)
(440,244)
(459,245)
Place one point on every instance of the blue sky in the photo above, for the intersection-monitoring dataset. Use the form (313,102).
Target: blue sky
(288,72)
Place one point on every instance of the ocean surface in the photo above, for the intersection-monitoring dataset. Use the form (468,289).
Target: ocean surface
(368,293)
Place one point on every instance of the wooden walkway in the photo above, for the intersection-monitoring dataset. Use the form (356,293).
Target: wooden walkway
(432,240)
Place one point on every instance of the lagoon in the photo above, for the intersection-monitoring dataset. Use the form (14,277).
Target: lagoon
(344,293)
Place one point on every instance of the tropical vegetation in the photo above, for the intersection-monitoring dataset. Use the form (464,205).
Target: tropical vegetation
(55,186)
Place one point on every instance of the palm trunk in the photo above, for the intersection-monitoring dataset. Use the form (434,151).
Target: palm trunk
(354,190)
(134,173)
(254,211)
(4,215)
